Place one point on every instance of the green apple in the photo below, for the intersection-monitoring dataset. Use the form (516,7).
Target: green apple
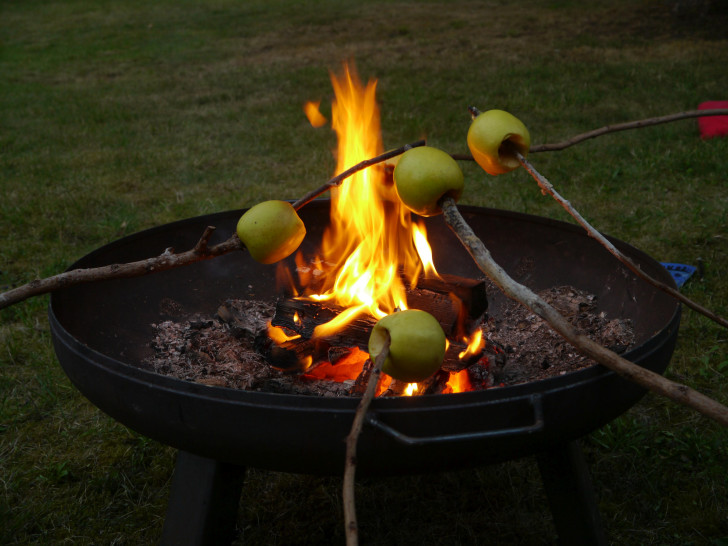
(423,175)
(271,231)
(417,345)
(492,137)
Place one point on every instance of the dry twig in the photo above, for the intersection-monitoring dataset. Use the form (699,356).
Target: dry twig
(607,129)
(547,187)
(168,259)
(351,528)
(627,125)
(646,378)
(339,178)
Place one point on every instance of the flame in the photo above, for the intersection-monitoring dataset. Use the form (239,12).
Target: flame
(410,389)
(458,382)
(371,241)
(314,115)
(372,248)
(279,335)
(475,345)
(419,236)
(347,367)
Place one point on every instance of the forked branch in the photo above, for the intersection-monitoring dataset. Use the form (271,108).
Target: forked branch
(168,259)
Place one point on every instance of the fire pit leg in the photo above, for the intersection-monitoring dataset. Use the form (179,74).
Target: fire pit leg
(570,495)
(203,501)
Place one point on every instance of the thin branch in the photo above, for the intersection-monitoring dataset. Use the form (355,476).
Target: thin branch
(339,178)
(168,259)
(638,124)
(547,187)
(628,125)
(646,378)
(351,529)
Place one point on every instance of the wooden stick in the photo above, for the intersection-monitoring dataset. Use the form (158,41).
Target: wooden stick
(351,528)
(547,187)
(168,259)
(336,180)
(627,125)
(638,124)
(646,378)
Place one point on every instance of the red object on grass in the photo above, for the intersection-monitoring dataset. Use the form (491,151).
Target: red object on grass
(713,126)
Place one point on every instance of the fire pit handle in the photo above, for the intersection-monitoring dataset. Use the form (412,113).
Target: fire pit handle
(536,426)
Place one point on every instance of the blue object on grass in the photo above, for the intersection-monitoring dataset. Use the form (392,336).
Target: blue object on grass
(680,272)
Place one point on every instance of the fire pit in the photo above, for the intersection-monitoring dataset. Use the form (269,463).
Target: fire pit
(101,333)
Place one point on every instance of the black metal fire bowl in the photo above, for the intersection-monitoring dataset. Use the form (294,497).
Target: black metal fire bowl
(102,330)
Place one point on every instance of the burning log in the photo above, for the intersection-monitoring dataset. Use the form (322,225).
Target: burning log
(456,302)
(450,295)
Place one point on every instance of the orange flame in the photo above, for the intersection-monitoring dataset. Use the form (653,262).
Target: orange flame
(475,345)
(314,115)
(347,367)
(371,240)
(419,237)
(458,382)
(411,389)
(279,335)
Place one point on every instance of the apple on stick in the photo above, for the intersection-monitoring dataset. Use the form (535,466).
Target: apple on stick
(423,176)
(417,344)
(271,231)
(492,137)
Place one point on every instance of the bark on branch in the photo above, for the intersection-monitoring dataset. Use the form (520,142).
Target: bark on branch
(626,126)
(547,187)
(351,528)
(339,178)
(646,378)
(637,124)
(168,259)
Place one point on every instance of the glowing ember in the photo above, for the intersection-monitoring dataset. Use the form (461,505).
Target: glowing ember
(348,367)
(458,382)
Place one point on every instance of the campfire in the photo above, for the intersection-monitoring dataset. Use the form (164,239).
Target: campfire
(287,422)
(373,259)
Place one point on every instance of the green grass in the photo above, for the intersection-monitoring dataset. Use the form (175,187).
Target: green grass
(119,116)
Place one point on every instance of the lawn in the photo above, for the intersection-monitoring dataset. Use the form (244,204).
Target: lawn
(120,116)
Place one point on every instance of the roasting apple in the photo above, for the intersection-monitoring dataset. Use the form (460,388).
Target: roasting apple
(417,344)
(271,231)
(493,136)
(425,174)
